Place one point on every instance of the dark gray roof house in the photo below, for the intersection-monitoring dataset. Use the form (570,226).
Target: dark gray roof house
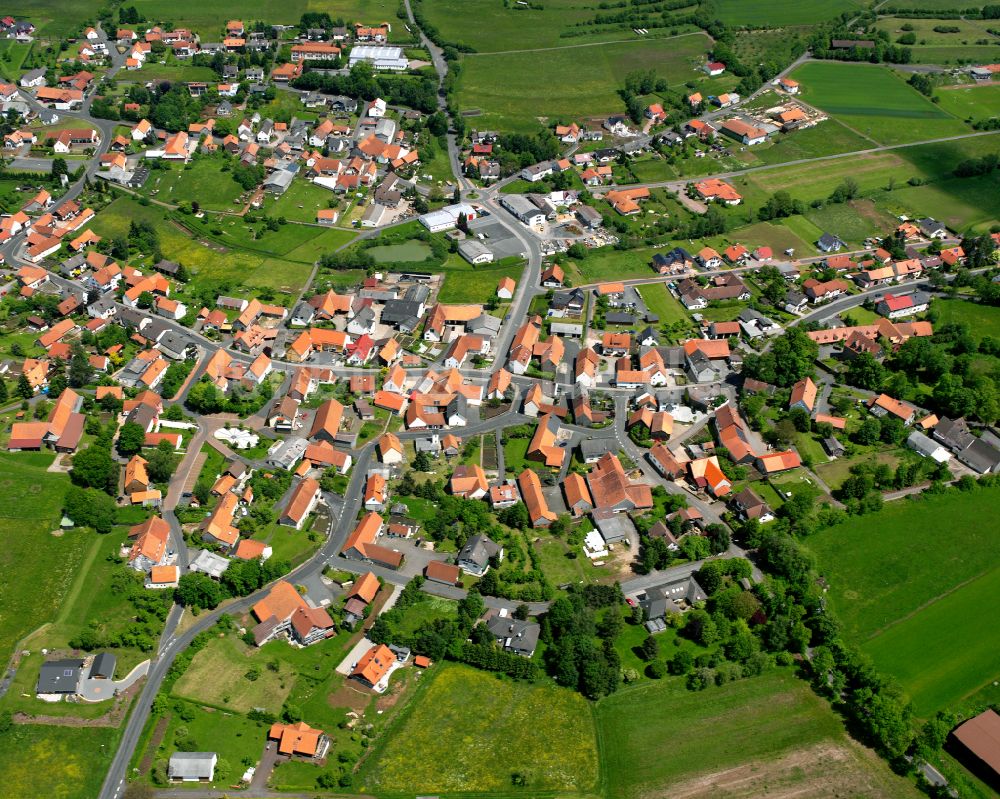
(475,555)
(59,676)
(830,243)
(673,597)
(103,667)
(514,635)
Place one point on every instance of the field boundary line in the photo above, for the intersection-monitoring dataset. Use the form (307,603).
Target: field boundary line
(928,603)
(590,44)
(81,577)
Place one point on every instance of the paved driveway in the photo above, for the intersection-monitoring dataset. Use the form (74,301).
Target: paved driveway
(100,690)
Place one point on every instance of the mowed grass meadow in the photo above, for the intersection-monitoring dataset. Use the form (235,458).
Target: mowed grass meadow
(781,13)
(575,82)
(911,585)
(874,101)
(55,762)
(468,731)
(37,568)
(770,735)
(971,102)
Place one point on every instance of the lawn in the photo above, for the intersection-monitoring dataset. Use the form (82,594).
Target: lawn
(172,71)
(607,263)
(299,203)
(899,572)
(468,731)
(217,677)
(579,82)
(425,612)
(854,221)
(201,181)
(781,13)
(874,101)
(413,250)
(770,735)
(227,269)
(661,302)
(984,320)
(971,102)
(778,236)
(37,568)
(465,283)
(55,762)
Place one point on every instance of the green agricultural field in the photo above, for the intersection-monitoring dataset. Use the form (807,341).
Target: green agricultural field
(971,102)
(984,320)
(826,138)
(579,82)
(958,202)
(895,578)
(943,653)
(467,731)
(781,13)
(875,102)
(762,736)
(208,17)
(59,19)
(972,43)
(38,568)
(55,762)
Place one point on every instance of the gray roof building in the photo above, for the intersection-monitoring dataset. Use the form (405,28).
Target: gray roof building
(59,676)
(674,596)
(475,555)
(514,635)
(103,667)
(209,563)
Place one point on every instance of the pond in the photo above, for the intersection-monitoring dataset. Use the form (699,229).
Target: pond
(407,251)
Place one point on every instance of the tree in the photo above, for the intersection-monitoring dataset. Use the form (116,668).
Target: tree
(162,463)
(195,589)
(59,167)
(24,389)
(131,439)
(88,507)
(80,372)
(422,462)
(93,467)
(681,663)
(789,360)
(865,372)
(649,649)
(869,432)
